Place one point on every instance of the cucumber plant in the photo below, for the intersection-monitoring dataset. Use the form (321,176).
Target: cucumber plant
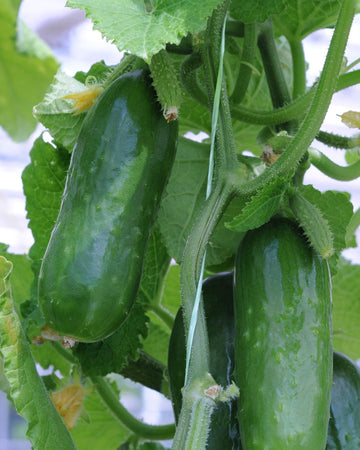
(130,214)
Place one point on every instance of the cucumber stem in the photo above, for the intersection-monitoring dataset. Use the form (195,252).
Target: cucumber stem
(299,68)
(246,63)
(279,91)
(295,110)
(163,314)
(144,430)
(332,170)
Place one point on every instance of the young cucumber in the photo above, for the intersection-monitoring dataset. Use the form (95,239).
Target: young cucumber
(120,165)
(217,294)
(283,350)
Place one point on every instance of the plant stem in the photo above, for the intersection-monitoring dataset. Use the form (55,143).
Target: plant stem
(189,79)
(295,110)
(247,60)
(332,170)
(148,371)
(144,430)
(299,68)
(336,141)
(279,91)
(317,111)
(163,314)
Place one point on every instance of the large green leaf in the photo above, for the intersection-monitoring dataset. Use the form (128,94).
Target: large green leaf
(43,183)
(249,11)
(144,27)
(27,391)
(301,17)
(26,71)
(346,310)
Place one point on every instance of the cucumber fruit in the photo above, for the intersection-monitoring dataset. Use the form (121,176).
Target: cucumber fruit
(119,168)
(283,349)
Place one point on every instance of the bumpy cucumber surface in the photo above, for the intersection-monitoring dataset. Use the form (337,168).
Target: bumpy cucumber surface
(344,423)
(218,304)
(120,165)
(283,350)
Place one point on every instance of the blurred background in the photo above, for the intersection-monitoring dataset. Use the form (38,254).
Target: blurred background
(77,47)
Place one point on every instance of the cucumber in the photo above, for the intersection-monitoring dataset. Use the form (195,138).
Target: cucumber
(344,423)
(217,294)
(119,168)
(283,348)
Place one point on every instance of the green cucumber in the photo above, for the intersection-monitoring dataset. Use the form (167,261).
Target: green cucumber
(283,349)
(218,304)
(119,168)
(344,423)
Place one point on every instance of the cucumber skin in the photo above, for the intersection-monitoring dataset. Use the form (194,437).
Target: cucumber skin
(344,424)
(119,168)
(283,349)
(217,294)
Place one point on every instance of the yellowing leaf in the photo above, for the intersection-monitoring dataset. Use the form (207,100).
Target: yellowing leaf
(351,119)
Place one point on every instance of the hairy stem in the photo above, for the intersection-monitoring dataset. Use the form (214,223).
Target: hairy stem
(295,110)
(144,430)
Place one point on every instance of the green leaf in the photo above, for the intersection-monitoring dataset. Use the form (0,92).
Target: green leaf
(56,113)
(184,195)
(337,209)
(157,341)
(260,208)
(156,266)
(27,391)
(21,277)
(171,299)
(110,355)
(25,73)
(299,18)
(98,428)
(183,199)
(249,11)
(44,182)
(346,310)
(143,28)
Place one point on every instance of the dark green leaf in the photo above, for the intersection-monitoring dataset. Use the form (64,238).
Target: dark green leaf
(110,355)
(249,11)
